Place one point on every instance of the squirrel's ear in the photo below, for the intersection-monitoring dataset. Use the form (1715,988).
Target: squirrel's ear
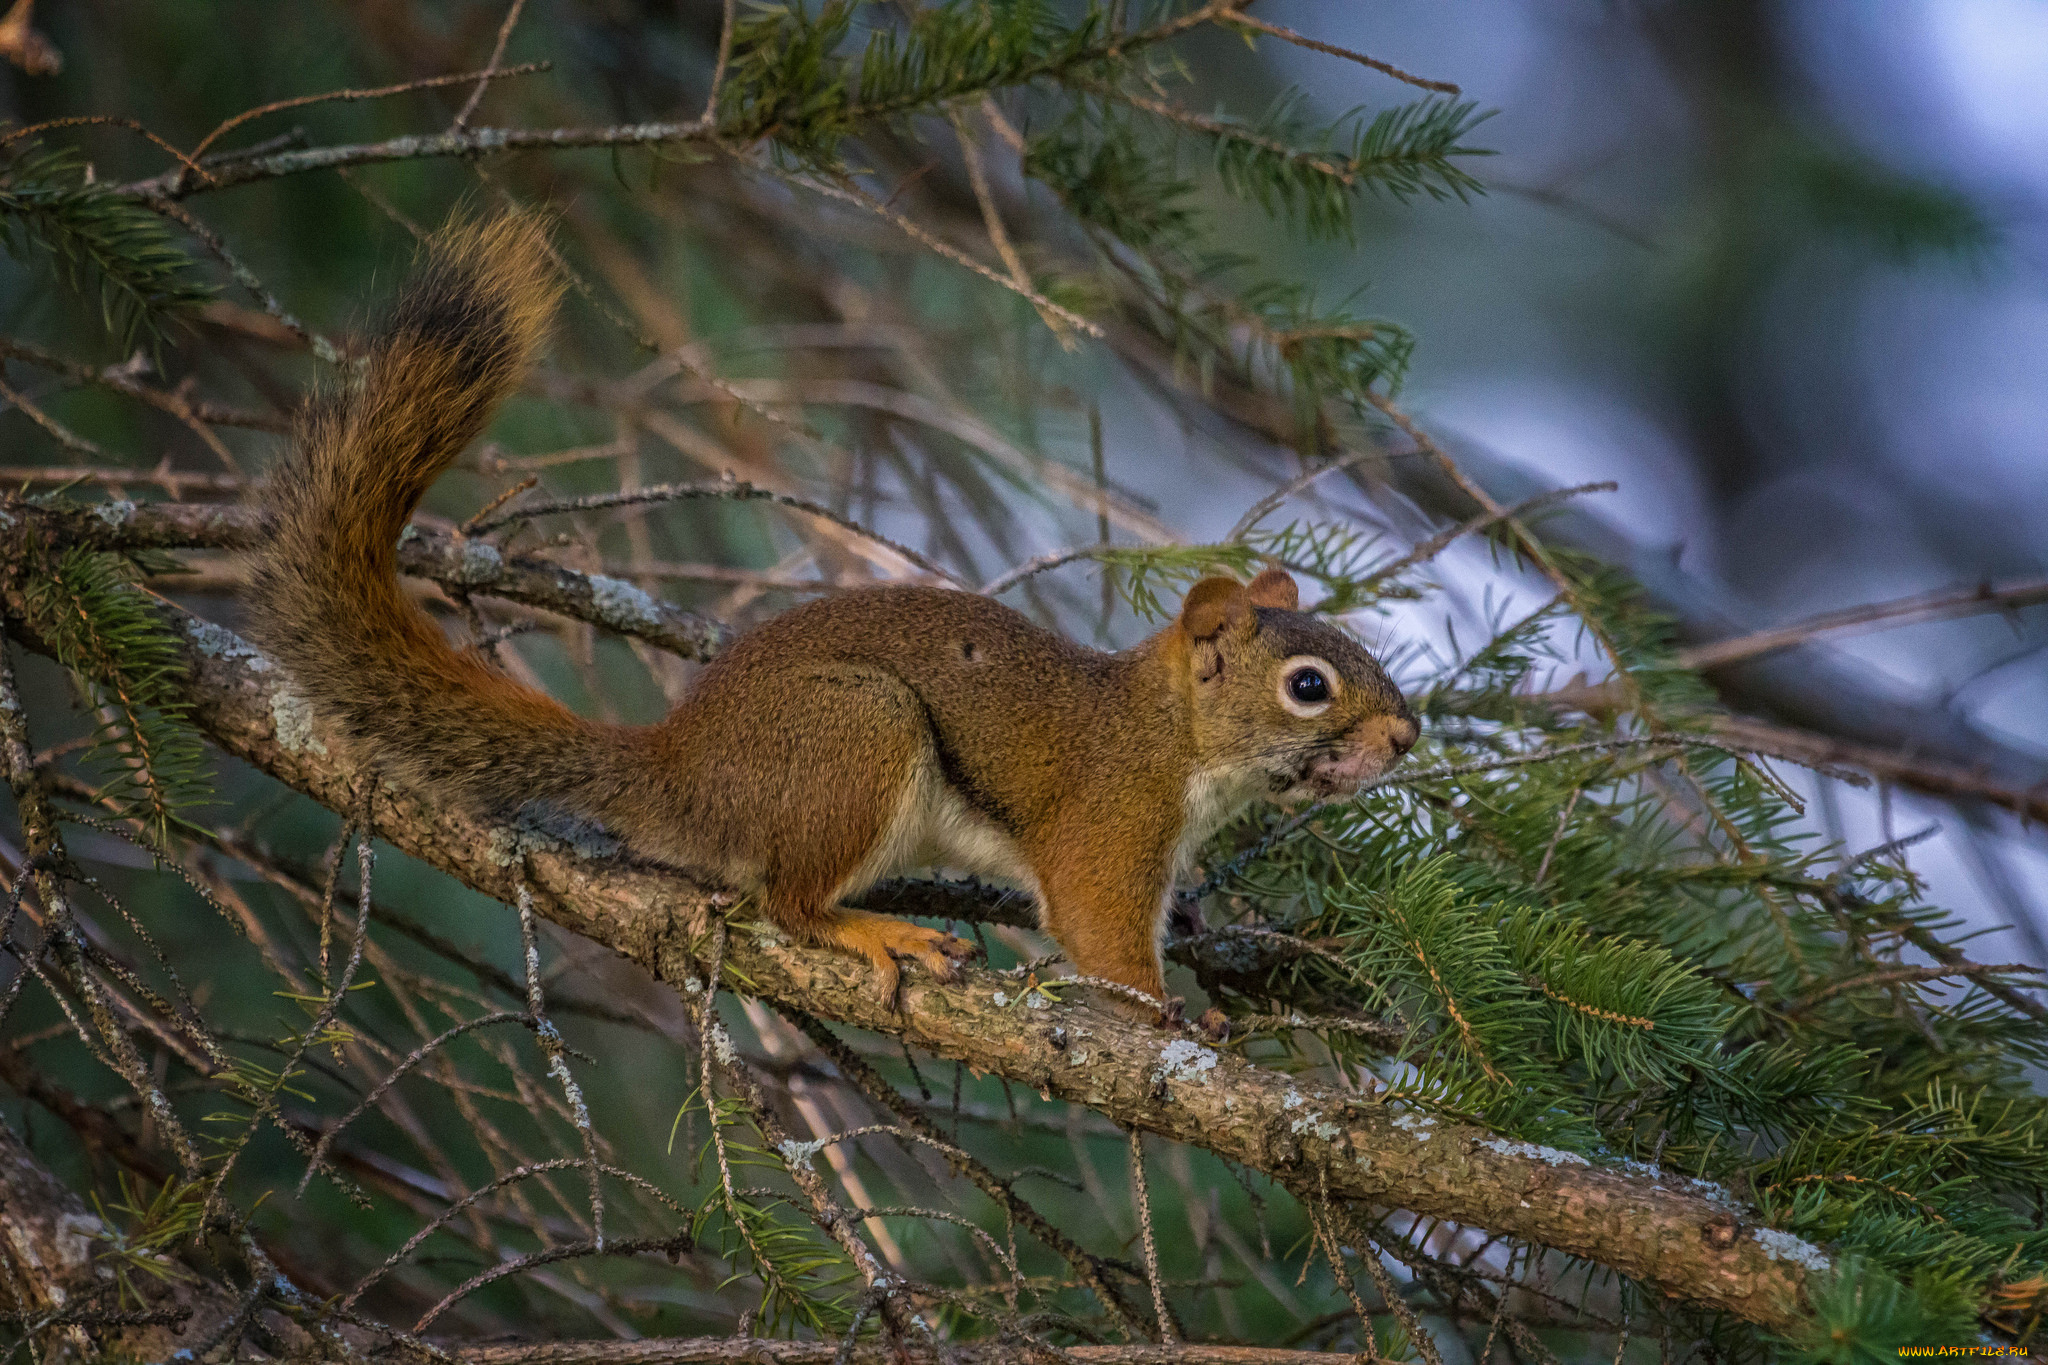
(1209,606)
(1274,588)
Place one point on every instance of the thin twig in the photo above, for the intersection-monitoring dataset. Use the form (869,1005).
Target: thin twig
(1900,611)
(1326,1240)
(917,232)
(992,220)
(1390,1293)
(63,435)
(1141,1198)
(475,524)
(1090,1269)
(1316,45)
(491,70)
(245,277)
(380,92)
(1913,975)
(725,29)
(557,1054)
(122,379)
(1429,549)
(733,490)
(470,142)
(1564,818)
(1069,483)
(1030,567)
(112,120)
(1258,511)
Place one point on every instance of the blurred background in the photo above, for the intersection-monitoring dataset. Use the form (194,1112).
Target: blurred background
(1777,270)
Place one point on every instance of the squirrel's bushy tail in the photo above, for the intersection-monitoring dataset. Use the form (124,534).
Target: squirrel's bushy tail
(325,596)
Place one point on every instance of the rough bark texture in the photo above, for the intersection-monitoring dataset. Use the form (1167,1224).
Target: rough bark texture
(1687,1239)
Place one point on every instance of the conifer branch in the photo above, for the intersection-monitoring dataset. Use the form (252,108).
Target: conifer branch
(97,236)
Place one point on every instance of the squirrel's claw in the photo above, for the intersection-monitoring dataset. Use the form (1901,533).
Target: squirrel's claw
(941,953)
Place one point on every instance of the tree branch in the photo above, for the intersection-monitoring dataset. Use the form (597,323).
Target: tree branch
(457,564)
(469,142)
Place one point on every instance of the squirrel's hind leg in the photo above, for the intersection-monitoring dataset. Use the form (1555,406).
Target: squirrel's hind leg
(862,733)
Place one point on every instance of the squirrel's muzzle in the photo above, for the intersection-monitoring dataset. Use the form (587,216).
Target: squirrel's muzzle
(1371,748)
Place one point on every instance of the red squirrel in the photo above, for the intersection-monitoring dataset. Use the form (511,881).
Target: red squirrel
(842,741)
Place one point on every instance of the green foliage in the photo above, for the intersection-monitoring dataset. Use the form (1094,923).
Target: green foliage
(1111,153)
(90,234)
(1152,580)
(795,78)
(172,1217)
(1866,1315)
(1344,559)
(1109,181)
(1288,167)
(107,631)
(1323,356)
(947,51)
(801,1273)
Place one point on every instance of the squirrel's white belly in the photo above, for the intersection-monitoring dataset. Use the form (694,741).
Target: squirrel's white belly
(935,827)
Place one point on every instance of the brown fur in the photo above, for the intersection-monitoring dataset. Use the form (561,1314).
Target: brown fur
(841,741)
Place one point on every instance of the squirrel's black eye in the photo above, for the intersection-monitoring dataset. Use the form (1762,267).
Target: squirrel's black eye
(1308,686)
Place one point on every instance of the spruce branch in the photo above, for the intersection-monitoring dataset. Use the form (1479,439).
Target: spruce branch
(105,629)
(1243,20)
(96,236)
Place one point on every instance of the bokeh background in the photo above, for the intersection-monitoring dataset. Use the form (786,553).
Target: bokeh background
(1778,271)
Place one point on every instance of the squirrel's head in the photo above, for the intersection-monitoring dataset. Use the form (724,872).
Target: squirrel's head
(1286,696)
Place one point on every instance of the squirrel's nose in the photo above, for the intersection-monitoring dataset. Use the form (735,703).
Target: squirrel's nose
(1402,734)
